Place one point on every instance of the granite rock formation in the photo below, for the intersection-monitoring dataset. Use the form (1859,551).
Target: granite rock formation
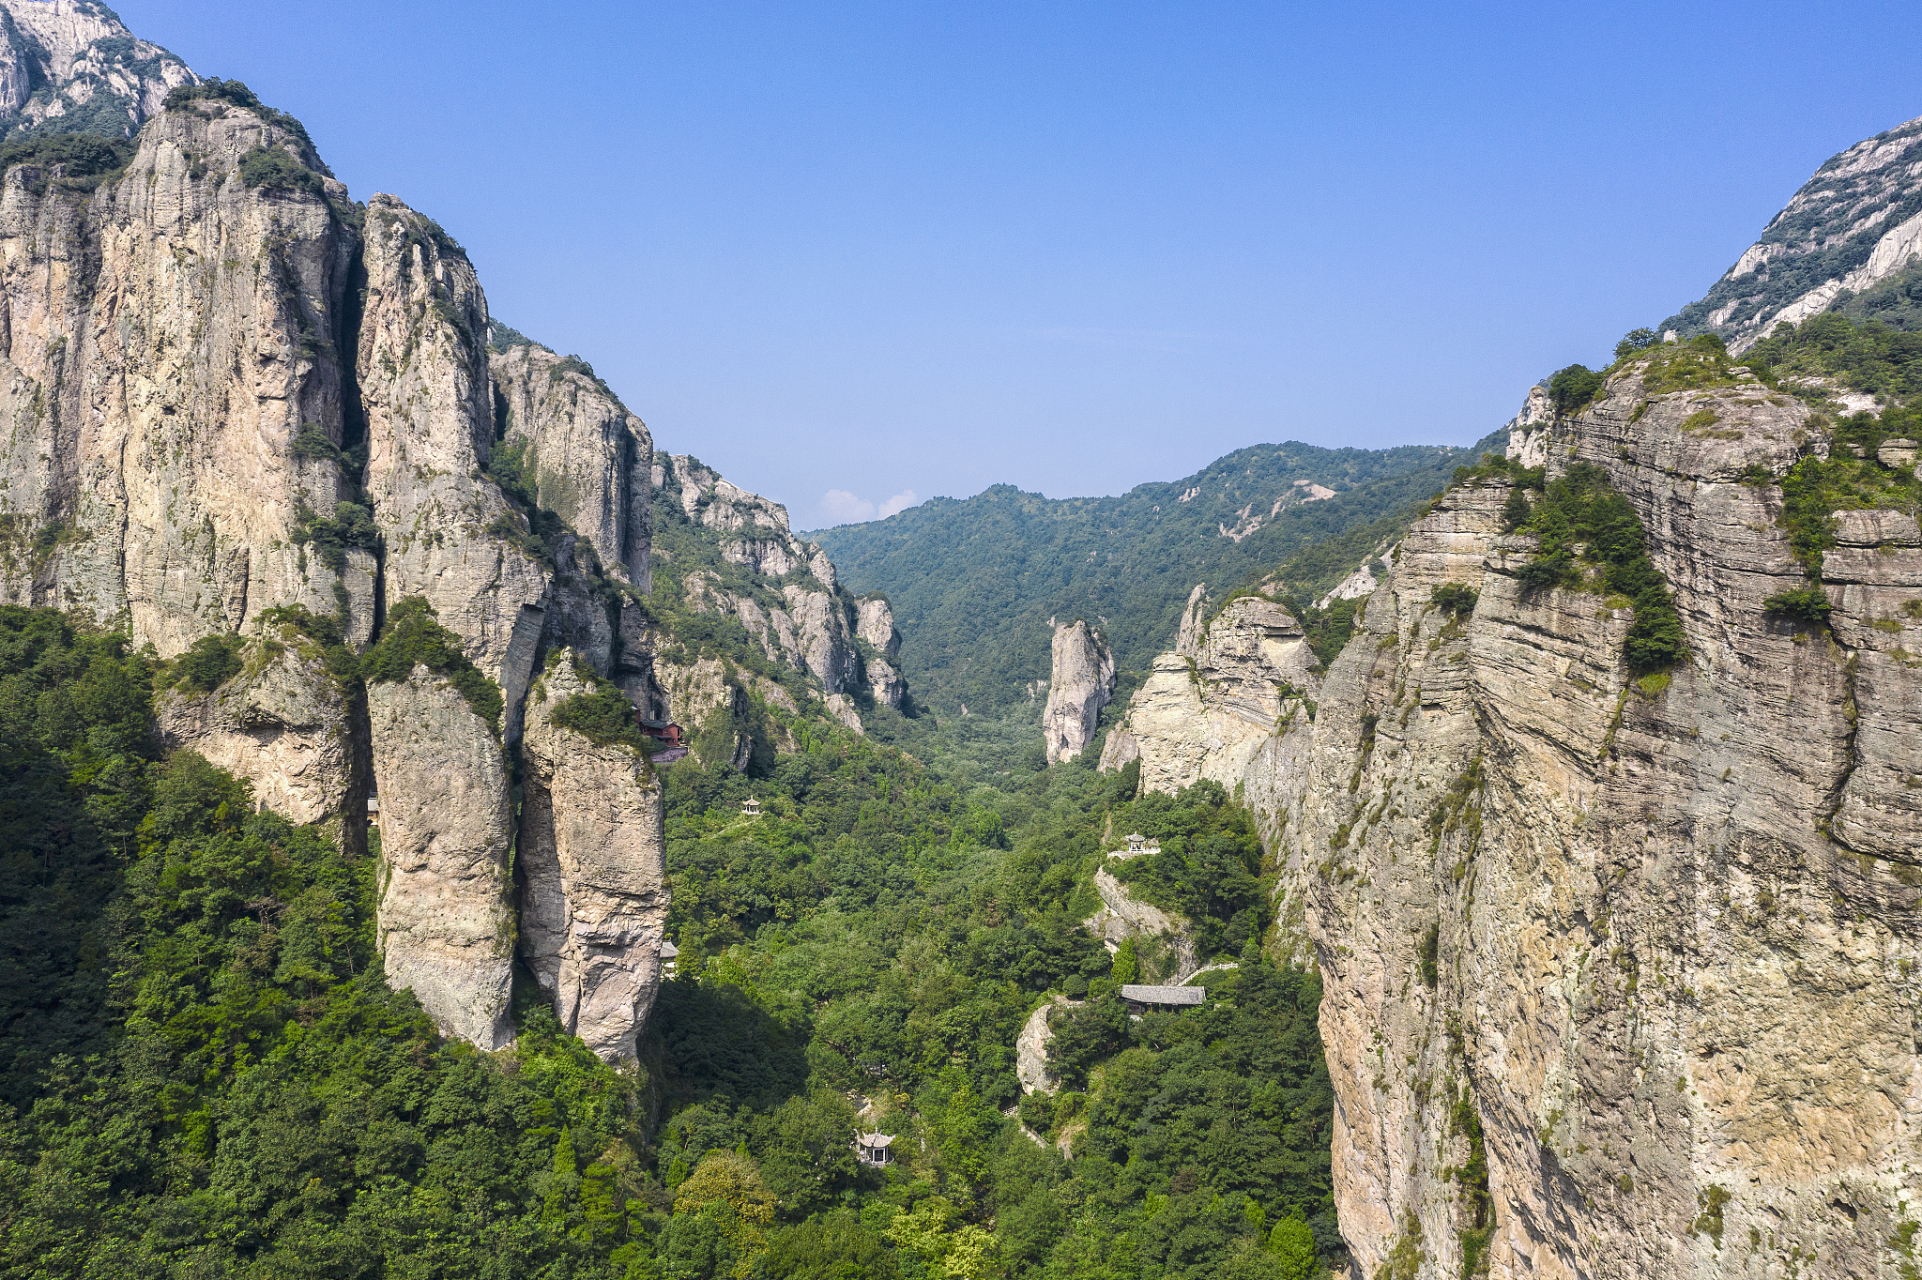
(1207,709)
(586,457)
(593,875)
(1081,685)
(284,724)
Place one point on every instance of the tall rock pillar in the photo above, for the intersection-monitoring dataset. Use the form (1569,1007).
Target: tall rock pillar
(1082,684)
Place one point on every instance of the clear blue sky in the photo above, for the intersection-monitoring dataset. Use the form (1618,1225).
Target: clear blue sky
(928,247)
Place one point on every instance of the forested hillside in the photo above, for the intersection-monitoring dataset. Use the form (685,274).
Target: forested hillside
(974,581)
(206,1074)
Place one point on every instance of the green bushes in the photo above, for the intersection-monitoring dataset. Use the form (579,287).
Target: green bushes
(209,662)
(1806,603)
(604,717)
(1454,598)
(351,528)
(413,637)
(1571,389)
(1428,954)
(272,169)
(85,159)
(1582,509)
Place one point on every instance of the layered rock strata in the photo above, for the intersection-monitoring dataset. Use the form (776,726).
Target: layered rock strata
(1647,945)
(1081,685)
(446,917)
(593,873)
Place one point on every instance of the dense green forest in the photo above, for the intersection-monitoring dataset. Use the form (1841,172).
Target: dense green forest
(206,1075)
(973,582)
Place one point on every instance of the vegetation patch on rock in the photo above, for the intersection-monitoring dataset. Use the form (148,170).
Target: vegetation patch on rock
(413,636)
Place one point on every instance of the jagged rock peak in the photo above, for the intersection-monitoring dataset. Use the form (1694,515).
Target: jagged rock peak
(1080,686)
(1856,224)
(70,66)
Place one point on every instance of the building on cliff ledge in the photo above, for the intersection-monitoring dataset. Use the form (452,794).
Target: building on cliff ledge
(1143,999)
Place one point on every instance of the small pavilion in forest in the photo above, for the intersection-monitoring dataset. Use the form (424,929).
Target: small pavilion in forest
(872,1149)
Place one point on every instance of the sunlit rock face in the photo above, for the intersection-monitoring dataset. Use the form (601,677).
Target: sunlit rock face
(1660,935)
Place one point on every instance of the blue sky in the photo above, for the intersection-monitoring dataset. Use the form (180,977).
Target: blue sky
(888,251)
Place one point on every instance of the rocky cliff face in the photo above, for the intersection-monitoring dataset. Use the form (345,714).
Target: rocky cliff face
(1647,947)
(588,459)
(1853,226)
(784,592)
(446,918)
(593,873)
(227,389)
(1210,707)
(1082,684)
(70,66)
(284,724)
(164,343)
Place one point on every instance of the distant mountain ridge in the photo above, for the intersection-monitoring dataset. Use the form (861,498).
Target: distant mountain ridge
(1850,239)
(974,581)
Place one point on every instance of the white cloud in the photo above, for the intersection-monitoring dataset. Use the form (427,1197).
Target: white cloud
(842,507)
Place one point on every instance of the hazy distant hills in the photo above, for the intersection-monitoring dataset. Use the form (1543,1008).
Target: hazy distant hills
(974,581)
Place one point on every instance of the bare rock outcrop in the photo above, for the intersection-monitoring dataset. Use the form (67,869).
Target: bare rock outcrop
(593,875)
(1659,934)
(1081,685)
(1246,675)
(449,533)
(284,724)
(172,385)
(446,918)
(586,458)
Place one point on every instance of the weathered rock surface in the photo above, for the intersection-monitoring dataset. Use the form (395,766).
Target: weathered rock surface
(70,66)
(446,918)
(162,343)
(1674,922)
(589,460)
(593,875)
(1082,684)
(284,725)
(1856,223)
(1031,1047)
(1207,711)
(430,425)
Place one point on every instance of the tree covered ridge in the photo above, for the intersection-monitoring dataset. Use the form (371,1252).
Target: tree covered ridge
(973,582)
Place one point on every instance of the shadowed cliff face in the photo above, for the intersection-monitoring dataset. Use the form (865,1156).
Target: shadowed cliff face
(1645,946)
(593,874)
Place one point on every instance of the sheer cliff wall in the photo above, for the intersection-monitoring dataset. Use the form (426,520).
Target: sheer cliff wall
(1645,947)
